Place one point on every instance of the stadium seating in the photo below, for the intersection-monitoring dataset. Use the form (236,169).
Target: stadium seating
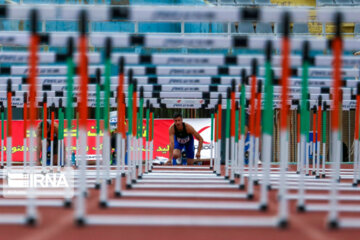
(263,28)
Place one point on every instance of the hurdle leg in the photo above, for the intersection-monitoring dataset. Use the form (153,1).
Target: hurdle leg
(2,153)
(24,155)
(151,154)
(9,153)
(106,159)
(283,205)
(43,155)
(298,157)
(266,159)
(227,144)
(219,158)
(211,154)
(97,181)
(307,159)
(232,161)
(59,155)
(60,163)
(68,150)
(62,152)
(313,156)
(105,170)
(356,149)
(241,163)
(140,158)
(80,200)
(324,160)
(333,213)
(122,159)
(129,163)
(236,159)
(318,160)
(31,212)
(51,154)
(133,160)
(301,191)
(146,156)
(118,166)
(256,163)
(123,154)
(250,191)
(358,165)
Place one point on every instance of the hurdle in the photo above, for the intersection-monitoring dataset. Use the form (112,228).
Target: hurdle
(134,102)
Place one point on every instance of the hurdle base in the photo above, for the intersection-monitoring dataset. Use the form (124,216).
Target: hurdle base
(128,186)
(108,181)
(269,187)
(256,182)
(297,172)
(355,184)
(80,222)
(31,221)
(133,181)
(307,174)
(103,204)
(123,174)
(317,176)
(218,174)
(214,171)
(97,186)
(283,224)
(242,186)
(232,181)
(140,177)
(333,224)
(313,172)
(226,177)
(211,168)
(237,175)
(86,194)
(323,175)
(301,208)
(1,167)
(67,204)
(263,207)
(137,166)
(250,196)
(117,194)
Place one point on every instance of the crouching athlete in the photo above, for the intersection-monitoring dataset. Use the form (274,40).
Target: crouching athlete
(182,137)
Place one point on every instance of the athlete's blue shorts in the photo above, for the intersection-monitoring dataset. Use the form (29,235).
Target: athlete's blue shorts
(189,147)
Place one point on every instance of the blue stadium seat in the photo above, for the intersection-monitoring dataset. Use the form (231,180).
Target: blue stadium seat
(300,28)
(227,2)
(244,2)
(344,2)
(160,27)
(263,28)
(324,2)
(263,2)
(245,27)
(357,29)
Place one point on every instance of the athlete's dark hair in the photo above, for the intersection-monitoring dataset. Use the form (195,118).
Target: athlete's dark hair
(177,114)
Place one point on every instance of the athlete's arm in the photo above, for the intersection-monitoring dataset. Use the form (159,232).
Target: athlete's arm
(171,145)
(192,131)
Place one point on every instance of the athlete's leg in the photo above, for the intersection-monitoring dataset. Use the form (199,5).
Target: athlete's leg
(190,151)
(177,150)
